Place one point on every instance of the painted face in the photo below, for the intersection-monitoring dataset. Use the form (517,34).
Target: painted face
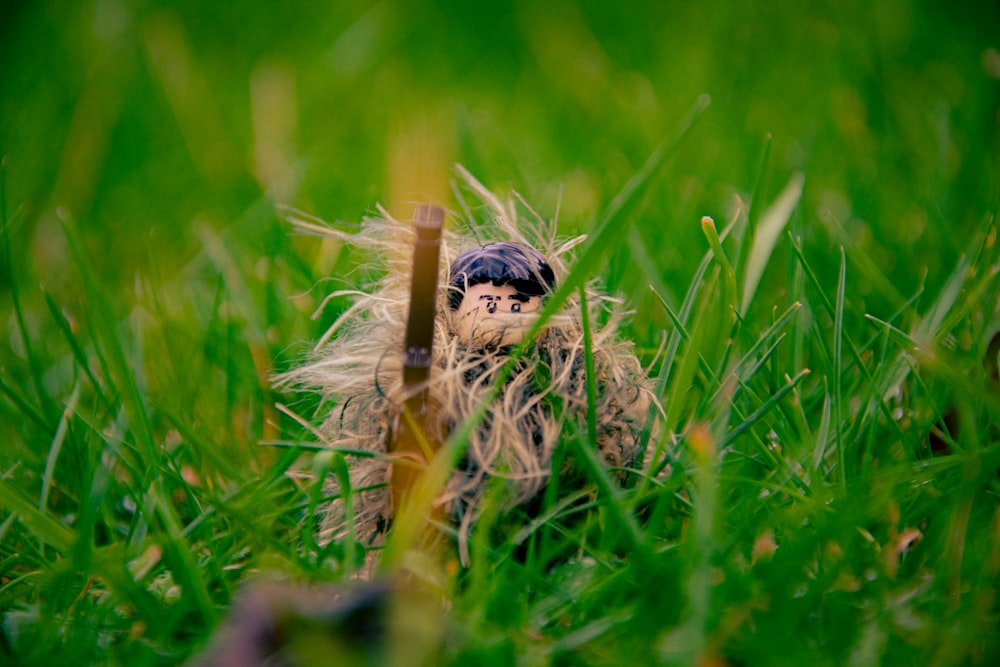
(495,314)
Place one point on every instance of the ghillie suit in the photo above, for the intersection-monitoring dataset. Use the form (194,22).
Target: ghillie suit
(357,369)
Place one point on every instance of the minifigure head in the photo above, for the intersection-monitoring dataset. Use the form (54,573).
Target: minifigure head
(494,288)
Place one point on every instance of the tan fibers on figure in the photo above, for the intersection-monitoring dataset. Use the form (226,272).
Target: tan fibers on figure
(357,369)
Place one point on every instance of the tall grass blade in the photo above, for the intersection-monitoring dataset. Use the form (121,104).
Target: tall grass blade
(728,275)
(822,438)
(766,235)
(687,643)
(753,213)
(591,381)
(838,371)
(347,496)
(930,326)
(57,443)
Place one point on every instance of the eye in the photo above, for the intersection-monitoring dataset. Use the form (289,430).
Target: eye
(515,307)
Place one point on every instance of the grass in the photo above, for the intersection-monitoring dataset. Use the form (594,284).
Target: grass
(829,439)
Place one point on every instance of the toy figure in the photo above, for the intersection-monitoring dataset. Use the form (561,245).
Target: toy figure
(493,293)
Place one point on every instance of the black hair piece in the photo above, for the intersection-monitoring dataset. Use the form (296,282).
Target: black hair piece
(504,263)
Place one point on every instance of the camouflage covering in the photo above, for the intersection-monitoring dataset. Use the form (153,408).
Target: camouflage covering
(357,368)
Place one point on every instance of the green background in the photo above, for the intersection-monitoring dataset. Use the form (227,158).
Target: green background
(144,118)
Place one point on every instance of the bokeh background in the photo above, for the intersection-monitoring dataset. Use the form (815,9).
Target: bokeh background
(145,120)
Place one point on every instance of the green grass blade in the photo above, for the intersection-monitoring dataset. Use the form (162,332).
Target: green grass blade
(754,417)
(588,358)
(57,443)
(872,274)
(728,275)
(837,372)
(877,403)
(930,327)
(754,205)
(598,473)
(106,332)
(78,352)
(46,528)
(822,438)
(767,233)
(682,333)
(347,497)
(178,549)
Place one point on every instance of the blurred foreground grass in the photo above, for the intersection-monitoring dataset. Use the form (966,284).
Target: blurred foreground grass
(847,514)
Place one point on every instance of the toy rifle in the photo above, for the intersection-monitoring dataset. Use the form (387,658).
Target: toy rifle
(413,441)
